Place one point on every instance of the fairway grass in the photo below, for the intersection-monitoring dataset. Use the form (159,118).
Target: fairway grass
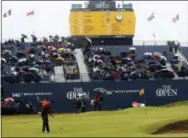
(129,122)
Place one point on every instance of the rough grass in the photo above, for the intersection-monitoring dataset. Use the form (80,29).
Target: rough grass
(130,122)
(183,103)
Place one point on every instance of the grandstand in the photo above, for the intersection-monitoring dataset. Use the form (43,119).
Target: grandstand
(14,53)
(99,25)
(100,53)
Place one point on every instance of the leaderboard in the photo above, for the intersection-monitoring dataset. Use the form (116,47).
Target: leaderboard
(101,23)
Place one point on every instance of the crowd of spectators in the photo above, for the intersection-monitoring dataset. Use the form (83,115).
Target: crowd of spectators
(35,61)
(102,65)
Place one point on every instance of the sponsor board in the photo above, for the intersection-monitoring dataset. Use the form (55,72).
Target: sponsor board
(111,92)
(18,95)
(166,91)
(75,93)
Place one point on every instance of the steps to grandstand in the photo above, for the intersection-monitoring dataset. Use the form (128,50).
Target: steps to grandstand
(59,74)
(82,66)
(183,58)
(168,66)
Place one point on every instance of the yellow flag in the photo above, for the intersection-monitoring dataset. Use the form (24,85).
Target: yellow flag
(142,92)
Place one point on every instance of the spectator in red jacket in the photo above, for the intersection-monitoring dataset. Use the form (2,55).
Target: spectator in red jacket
(98,102)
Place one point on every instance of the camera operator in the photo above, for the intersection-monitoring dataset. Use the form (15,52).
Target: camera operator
(81,103)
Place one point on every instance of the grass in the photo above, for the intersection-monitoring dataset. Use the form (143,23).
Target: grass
(129,122)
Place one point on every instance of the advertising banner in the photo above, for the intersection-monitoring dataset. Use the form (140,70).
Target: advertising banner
(116,94)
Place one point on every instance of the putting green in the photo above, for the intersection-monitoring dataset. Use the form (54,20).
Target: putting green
(129,122)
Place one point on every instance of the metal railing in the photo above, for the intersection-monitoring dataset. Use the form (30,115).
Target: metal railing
(136,42)
(82,76)
(48,79)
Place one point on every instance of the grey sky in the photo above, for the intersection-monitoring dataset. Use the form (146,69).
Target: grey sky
(52,17)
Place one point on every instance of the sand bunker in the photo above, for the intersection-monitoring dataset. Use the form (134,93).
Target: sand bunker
(177,127)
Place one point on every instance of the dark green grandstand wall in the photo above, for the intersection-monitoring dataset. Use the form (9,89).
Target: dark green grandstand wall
(118,94)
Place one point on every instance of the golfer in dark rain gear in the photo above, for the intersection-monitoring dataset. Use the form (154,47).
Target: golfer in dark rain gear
(46,109)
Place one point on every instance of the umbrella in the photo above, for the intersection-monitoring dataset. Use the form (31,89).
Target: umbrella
(55,54)
(23,35)
(50,36)
(40,62)
(132,73)
(41,46)
(101,90)
(15,59)
(37,66)
(89,40)
(3,60)
(7,51)
(60,59)
(136,104)
(95,57)
(101,49)
(69,44)
(47,62)
(130,64)
(53,49)
(163,57)
(147,54)
(50,47)
(15,73)
(22,60)
(83,95)
(34,69)
(126,60)
(100,61)
(9,100)
(31,55)
(61,50)
(12,68)
(68,50)
(157,54)
(92,102)
(132,49)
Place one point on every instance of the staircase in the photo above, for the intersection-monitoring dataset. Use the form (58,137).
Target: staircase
(82,66)
(59,74)
(168,66)
(183,58)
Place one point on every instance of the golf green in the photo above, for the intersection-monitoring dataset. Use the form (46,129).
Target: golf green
(129,122)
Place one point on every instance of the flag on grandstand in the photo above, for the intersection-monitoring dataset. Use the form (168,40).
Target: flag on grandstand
(31,13)
(153,35)
(142,92)
(151,17)
(175,19)
(7,14)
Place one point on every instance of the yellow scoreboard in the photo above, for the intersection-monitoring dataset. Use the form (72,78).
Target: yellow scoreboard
(102,23)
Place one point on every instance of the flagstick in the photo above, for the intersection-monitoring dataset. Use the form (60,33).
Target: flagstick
(177,31)
(10,27)
(154,38)
(145,105)
(153,26)
(34,23)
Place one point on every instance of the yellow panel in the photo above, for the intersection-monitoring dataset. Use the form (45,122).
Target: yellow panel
(101,23)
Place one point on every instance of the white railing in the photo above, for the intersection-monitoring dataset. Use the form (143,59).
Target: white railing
(136,42)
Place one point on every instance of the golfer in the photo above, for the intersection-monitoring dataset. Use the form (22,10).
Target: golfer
(46,109)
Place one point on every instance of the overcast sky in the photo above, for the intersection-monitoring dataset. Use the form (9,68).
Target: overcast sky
(52,17)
